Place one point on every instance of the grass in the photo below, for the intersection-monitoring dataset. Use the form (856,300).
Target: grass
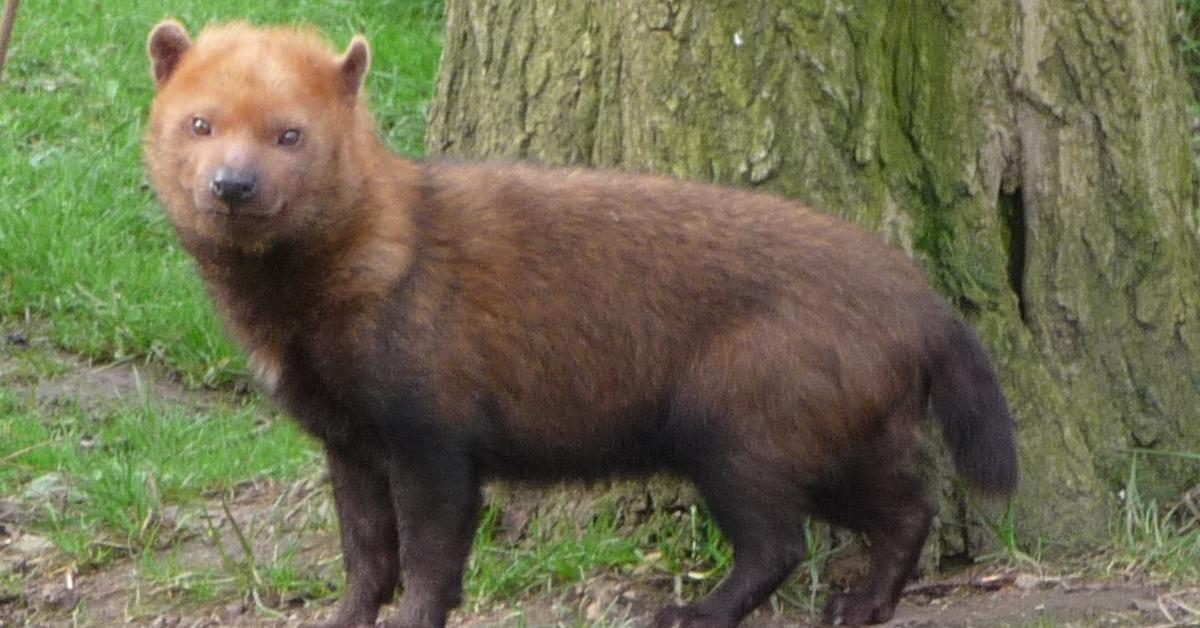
(554,553)
(100,482)
(684,550)
(1153,539)
(1189,45)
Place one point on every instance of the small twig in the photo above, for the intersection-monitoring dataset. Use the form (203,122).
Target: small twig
(123,548)
(24,450)
(1166,613)
(1174,600)
(247,549)
(6,30)
(944,587)
(215,536)
(263,608)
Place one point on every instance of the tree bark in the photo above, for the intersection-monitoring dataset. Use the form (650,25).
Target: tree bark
(1032,156)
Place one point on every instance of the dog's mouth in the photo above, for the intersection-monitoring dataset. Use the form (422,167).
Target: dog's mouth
(249,211)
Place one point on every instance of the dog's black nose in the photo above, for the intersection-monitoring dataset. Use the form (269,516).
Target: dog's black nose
(234,186)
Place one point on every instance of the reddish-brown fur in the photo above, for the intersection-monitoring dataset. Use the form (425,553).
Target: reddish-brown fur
(437,325)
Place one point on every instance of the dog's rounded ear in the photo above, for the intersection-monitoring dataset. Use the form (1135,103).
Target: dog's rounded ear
(353,65)
(169,41)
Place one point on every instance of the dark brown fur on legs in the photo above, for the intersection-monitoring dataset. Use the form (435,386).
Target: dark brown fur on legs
(438,501)
(765,527)
(440,325)
(882,496)
(891,508)
(370,548)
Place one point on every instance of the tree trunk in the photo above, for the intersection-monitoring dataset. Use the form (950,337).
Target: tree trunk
(1032,156)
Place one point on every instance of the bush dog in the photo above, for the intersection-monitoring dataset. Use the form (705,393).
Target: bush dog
(439,325)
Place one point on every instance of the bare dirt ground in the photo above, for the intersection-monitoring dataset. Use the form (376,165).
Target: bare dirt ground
(46,589)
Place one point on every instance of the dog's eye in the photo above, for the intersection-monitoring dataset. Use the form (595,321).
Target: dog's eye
(290,137)
(200,126)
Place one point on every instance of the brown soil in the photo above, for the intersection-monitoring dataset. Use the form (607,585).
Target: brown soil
(40,587)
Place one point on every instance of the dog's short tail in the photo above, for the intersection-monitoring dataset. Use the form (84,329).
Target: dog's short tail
(970,406)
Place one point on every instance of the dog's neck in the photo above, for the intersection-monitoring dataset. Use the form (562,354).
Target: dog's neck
(270,296)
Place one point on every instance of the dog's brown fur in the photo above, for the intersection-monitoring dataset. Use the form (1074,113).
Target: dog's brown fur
(438,325)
